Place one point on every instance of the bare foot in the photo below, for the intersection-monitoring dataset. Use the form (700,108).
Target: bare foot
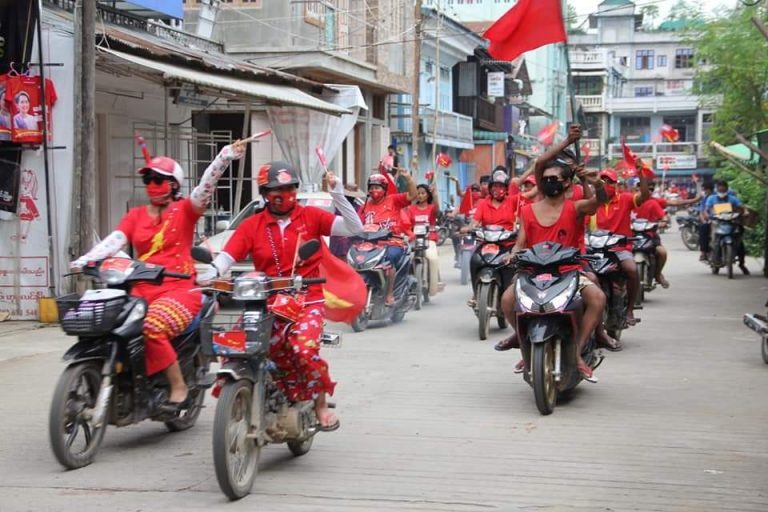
(662,281)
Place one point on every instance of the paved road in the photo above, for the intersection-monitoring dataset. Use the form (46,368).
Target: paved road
(433,419)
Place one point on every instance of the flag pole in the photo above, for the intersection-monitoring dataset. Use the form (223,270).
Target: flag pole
(571,92)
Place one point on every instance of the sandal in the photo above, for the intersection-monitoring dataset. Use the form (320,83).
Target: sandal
(472,303)
(586,373)
(328,428)
(520,366)
(610,344)
(507,344)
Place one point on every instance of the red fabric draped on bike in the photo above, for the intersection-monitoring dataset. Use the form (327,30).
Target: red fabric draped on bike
(345,291)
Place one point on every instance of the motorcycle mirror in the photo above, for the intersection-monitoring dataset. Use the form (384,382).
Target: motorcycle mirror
(308,249)
(202,255)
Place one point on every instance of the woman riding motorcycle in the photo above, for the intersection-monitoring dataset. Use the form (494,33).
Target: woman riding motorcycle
(162,233)
(384,210)
(424,211)
(271,237)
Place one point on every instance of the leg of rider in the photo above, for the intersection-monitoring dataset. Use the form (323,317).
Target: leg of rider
(704,240)
(633,285)
(168,317)
(600,331)
(508,308)
(473,268)
(594,303)
(661,260)
(302,373)
(393,255)
(434,268)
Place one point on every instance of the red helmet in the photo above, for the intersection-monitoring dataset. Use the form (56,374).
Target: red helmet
(610,174)
(165,166)
(378,179)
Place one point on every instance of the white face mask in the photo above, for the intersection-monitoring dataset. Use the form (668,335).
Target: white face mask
(722,195)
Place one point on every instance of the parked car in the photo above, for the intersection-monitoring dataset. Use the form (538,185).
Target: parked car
(225,229)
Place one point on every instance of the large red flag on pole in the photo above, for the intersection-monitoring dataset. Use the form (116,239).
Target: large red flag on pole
(345,291)
(526,26)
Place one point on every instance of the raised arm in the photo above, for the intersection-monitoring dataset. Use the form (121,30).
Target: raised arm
(645,191)
(115,242)
(411,184)
(201,195)
(574,135)
(348,222)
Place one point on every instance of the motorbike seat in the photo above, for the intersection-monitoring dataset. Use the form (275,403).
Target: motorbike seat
(195,324)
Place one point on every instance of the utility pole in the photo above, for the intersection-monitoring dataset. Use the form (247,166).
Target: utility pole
(415,132)
(436,106)
(87,128)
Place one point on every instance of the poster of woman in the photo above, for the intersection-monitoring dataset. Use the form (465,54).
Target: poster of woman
(23,120)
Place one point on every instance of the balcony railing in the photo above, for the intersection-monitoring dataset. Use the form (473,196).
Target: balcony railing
(653,150)
(591,103)
(450,125)
(595,58)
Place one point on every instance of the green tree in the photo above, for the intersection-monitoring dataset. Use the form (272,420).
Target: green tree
(735,72)
(650,14)
(572,24)
(685,10)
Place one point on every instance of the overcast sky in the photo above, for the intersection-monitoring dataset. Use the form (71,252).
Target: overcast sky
(584,7)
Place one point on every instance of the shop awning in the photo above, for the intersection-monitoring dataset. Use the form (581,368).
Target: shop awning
(486,135)
(245,89)
(449,143)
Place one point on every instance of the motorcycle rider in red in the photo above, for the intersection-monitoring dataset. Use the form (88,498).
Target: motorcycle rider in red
(557,219)
(271,237)
(162,233)
(385,210)
(616,217)
(425,211)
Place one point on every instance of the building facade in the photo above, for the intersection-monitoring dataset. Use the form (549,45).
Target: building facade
(631,82)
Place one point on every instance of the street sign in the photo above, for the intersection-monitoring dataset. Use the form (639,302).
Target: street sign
(496,83)
(676,161)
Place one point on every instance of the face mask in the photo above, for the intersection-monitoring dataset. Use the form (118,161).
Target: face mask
(159,193)
(498,193)
(610,190)
(377,194)
(722,195)
(287,202)
(552,188)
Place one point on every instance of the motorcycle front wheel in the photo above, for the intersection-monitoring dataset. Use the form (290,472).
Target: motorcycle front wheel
(418,272)
(484,305)
(74,439)
(728,255)
(360,323)
(466,256)
(690,239)
(235,454)
(764,347)
(544,385)
(641,271)
(442,236)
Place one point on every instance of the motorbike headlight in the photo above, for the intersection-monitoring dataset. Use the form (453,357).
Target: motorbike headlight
(248,288)
(137,313)
(560,300)
(420,229)
(597,242)
(524,300)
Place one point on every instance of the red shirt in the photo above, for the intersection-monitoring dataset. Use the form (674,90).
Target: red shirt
(662,202)
(386,213)
(568,231)
(578,193)
(503,215)
(22,97)
(166,241)
(651,210)
(252,237)
(428,216)
(616,216)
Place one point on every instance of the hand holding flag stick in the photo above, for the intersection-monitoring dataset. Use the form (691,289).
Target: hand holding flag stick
(143,146)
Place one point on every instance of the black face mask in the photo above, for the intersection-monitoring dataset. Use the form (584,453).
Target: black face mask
(552,188)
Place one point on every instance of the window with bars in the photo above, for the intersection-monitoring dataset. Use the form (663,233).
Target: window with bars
(644,59)
(643,91)
(684,58)
(661,61)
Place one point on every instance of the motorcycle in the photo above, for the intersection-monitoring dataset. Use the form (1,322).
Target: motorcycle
(726,237)
(493,275)
(548,310)
(105,382)
(606,265)
(689,228)
(421,264)
(366,256)
(446,226)
(759,324)
(646,240)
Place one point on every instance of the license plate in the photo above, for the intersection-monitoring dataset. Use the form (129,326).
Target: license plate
(490,249)
(542,278)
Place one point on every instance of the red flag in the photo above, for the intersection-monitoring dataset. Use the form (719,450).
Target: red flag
(391,185)
(526,26)
(430,175)
(669,134)
(630,159)
(443,160)
(467,203)
(547,134)
(345,291)
(585,152)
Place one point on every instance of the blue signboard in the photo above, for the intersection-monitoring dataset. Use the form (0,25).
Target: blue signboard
(173,8)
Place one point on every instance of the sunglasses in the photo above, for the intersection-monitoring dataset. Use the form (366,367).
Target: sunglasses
(552,179)
(153,177)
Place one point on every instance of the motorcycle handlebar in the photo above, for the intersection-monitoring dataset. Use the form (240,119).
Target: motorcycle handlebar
(176,275)
(313,280)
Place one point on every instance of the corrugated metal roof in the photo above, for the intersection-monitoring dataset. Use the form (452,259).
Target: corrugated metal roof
(238,87)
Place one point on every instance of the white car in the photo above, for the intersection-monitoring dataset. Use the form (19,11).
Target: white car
(225,230)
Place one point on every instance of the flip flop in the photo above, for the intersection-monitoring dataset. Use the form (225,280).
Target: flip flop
(614,345)
(328,428)
(587,374)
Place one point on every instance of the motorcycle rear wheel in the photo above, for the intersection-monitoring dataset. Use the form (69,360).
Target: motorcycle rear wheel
(544,385)
(188,417)
(360,323)
(484,296)
(299,448)
(235,456)
(77,390)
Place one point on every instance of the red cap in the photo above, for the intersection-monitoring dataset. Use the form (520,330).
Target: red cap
(610,174)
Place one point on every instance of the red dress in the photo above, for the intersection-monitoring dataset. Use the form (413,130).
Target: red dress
(165,241)
(294,347)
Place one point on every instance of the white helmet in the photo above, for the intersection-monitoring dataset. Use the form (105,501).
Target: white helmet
(165,166)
